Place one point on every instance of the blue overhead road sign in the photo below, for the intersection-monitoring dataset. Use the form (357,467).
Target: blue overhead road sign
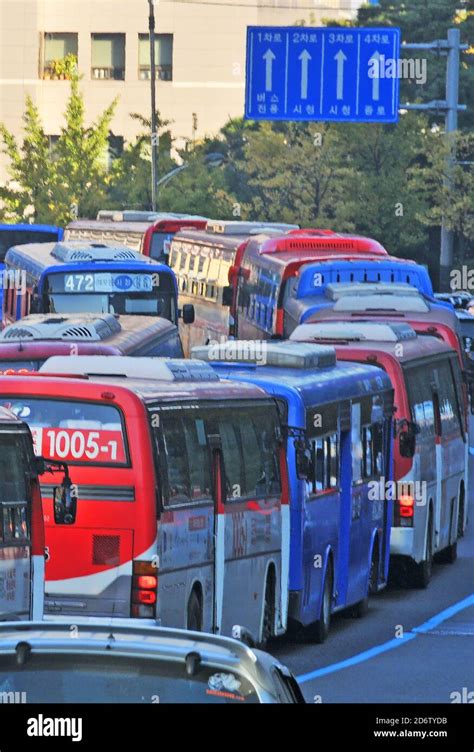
(304,73)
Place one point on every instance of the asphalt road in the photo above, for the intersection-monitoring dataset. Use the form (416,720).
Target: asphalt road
(413,646)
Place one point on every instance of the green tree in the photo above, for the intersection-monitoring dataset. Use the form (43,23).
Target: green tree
(79,173)
(56,187)
(130,179)
(27,193)
(454,202)
(425,21)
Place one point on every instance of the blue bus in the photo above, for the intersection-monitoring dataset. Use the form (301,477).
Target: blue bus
(337,427)
(279,281)
(14,234)
(82,277)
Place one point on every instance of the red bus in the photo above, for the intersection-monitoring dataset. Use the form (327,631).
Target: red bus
(202,263)
(182,494)
(22,540)
(278,281)
(235,274)
(402,303)
(26,344)
(430,449)
(148,233)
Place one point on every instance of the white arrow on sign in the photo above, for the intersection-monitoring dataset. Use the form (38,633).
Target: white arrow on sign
(305,57)
(340,58)
(269,57)
(375,60)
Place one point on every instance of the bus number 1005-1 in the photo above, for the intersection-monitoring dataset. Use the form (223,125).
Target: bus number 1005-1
(77,445)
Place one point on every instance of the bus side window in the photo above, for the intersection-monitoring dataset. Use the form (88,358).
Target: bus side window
(186,467)
(449,411)
(325,464)
(260,452)
(233,460)
(14,522)
(356,442)
(372,450)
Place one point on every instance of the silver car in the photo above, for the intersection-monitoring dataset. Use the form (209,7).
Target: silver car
(111,661)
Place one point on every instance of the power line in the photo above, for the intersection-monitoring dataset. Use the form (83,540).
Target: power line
(231,4)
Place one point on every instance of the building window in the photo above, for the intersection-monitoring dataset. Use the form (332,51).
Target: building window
(59,55)
(52,145)
(113,150)
(108,57)
(163,56)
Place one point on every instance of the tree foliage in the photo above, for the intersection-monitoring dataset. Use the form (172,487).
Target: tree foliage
(56,185)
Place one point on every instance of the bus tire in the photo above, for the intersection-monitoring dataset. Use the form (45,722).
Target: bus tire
(194,618)
(268,624)
(361,609)
(460,530)
(421,573)
(319,630)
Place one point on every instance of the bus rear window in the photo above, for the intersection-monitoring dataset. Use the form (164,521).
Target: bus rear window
(9,238)
(75,432)
(15,366)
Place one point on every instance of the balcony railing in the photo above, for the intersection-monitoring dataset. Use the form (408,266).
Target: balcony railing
(163,72)
(108,74)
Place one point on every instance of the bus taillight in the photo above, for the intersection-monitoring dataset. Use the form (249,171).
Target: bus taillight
(144,587)
(404,511)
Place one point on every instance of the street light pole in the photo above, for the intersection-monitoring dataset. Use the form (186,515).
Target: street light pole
(154,125)
(451,124)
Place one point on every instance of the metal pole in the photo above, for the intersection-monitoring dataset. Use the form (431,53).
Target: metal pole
(154,125)
(451,124)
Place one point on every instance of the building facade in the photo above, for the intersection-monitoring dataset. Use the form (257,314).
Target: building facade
(200,54)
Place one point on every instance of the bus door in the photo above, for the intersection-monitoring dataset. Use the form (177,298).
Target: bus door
(450,450)
(357,554)
(187,525)
(218,530)
(15,534)
(440,480)
(251,516)
(345,503)
(324,507)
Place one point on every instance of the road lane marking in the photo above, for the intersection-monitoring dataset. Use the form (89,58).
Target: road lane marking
(396,642)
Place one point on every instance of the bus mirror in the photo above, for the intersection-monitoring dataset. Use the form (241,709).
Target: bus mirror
(304,461)
(188,314)
(40,466)
(227,296)
(35,303)
(407,439)
(65,502)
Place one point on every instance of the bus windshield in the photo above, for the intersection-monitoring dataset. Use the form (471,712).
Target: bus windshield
(148,294)
(9,238)
(76,432)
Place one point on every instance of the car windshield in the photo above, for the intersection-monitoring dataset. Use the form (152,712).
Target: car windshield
(92,679)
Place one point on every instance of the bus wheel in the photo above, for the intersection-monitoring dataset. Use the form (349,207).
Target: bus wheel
(194,613)
(421,573)
(268,625)
(450,554)
(320,629)
(361,609)
(461,515)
